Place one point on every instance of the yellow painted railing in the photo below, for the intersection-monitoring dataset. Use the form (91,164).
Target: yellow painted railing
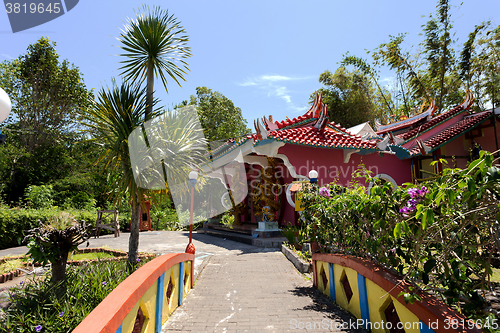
(145,299)
(371,293)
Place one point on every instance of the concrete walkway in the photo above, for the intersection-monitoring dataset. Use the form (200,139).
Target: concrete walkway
(241,288)
(256,290)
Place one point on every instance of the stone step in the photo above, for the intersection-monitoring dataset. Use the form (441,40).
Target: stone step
(273,242)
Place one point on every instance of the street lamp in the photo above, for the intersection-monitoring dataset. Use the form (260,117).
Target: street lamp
(193,175)
(313,176)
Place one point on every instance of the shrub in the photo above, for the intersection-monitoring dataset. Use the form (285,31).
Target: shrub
(440,236)
(39,196)
(52,242)
(14,221)
(34,304)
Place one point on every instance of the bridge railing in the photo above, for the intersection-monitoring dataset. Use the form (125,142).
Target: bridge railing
(371,293)
(145,300)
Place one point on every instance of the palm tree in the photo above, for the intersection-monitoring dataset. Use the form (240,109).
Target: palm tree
(173,145)
(155,45)
(111,120)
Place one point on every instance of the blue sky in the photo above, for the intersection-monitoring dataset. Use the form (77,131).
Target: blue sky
(266,56)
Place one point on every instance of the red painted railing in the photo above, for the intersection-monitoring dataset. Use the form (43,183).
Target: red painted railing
(108,316)
(430,309)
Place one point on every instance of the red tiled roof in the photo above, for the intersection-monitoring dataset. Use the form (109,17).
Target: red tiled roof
(431,123)
(288,122)
(327,138)
(402,124)
(456,130)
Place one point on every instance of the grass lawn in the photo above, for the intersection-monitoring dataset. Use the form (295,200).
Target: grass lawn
(90,256)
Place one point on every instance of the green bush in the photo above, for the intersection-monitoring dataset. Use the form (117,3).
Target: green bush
(440,237)
(35,305)
(14,221)
(39,196)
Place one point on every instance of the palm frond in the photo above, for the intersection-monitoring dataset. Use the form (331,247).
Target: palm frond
(154,39)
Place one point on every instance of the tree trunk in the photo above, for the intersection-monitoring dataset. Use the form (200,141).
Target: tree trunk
(59,274)
(133,244)
(149,91)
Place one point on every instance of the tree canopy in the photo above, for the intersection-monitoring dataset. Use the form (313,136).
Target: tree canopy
(351,97)
(441,69)
(220,119)
(48,96)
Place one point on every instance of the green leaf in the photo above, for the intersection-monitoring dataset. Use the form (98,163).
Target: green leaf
(397,230)
(471,185)
(429,265)
(424,220)
(427,218)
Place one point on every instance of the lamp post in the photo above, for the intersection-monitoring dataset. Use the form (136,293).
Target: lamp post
(313,176)
(193,175)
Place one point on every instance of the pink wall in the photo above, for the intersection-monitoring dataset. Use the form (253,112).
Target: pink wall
(460,146)
(329,163)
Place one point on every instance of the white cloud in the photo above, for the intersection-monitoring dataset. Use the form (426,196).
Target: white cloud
(269,83)
(268,79)
(388,82)
(6,56)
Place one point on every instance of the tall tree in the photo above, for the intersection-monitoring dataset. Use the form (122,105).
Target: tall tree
(350,96)
(115,114)
(439,54)
(156,45)
(47,98)
(480,64)
(220,119)
(173,145)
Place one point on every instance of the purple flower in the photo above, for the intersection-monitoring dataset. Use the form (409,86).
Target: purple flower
(324,192)
(423,191)
(104,283)
(137,259)
(21,283)
(413,192)
(405,210)
(61,314)
(38,328)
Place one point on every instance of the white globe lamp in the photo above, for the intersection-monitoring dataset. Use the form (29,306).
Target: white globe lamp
(5,105)
(313,176)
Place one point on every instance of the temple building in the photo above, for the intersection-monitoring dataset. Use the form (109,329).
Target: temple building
(280,153)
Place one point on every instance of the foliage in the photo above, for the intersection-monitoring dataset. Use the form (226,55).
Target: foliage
(227,220)
(117,112)
(52,242)
(47,97)
(438,70)
(290,232)
(176,139)
(441,237)
(34,303)
(39,196)
(350,96)
(14,222)
(10,265)
(163,217)
(220,119)
(155,44)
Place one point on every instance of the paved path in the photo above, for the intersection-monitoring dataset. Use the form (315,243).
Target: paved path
(255,290)
(242,288)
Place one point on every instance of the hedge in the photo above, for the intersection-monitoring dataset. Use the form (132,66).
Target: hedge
(14,221)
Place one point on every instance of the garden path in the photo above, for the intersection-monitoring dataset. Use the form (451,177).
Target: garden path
(242,288)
